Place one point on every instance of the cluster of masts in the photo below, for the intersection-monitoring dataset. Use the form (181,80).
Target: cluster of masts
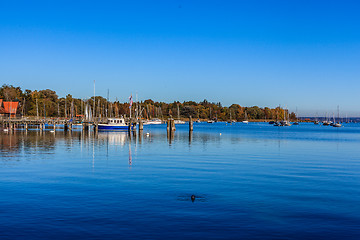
(328,122)
(90,114)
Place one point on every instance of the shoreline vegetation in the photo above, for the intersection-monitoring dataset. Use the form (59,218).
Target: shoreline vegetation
(46,103)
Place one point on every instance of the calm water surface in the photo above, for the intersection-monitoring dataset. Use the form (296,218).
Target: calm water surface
(252,181)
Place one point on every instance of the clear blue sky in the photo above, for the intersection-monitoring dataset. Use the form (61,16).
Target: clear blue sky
(303,54)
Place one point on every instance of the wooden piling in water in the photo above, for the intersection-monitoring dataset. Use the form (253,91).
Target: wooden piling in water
(141,126)
(129,127)
(191,125)
(172,125)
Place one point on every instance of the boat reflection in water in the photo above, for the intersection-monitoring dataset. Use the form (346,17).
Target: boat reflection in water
(113,138)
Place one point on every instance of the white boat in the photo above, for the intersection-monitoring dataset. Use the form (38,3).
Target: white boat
(210,119)
(178,121)
(246,119)
(153,121)
(286,123)
(337,124)
(230,120)
(114,124)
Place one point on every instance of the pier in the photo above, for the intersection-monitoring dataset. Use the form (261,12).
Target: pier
(42,124)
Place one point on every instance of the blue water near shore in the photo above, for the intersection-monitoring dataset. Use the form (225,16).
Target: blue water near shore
(253,181)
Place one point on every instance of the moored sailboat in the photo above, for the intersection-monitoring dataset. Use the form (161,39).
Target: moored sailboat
(246,119)
(178,121)
(337,124)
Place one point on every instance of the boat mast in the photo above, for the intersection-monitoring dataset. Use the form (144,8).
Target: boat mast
(72,108)
(178,111)
(37,109)
(137,107)
(94,111)
(107,104)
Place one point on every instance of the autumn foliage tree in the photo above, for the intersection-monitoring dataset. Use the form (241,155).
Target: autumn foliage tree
(46,102)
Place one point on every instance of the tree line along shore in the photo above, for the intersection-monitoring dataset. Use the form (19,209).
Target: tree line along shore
(46,103)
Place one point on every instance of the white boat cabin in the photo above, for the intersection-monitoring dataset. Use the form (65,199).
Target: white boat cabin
(116,121)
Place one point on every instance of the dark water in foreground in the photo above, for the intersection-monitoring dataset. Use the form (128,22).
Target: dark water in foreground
(251,181)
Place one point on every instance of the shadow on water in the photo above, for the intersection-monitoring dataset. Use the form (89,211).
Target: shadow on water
(192,198)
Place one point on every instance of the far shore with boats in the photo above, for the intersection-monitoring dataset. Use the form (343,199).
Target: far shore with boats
(44,108)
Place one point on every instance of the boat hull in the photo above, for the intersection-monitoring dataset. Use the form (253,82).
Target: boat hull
(103,127)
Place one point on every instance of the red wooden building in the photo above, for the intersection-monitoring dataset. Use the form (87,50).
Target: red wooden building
(8,108)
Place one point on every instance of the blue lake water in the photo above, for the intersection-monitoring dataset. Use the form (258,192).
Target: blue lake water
(253,181)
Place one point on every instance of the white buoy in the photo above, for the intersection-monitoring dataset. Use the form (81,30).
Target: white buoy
(220,134)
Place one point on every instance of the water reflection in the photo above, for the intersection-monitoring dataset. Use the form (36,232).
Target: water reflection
(47,141)
(241,180)
(113,138)
(170,136)
(8,141)
(130,157)
(28,141)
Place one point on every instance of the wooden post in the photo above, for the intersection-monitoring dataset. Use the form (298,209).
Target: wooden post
(168,125)
(191,125)
(66,126)
(172,125)
(129,127)
(141,127)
